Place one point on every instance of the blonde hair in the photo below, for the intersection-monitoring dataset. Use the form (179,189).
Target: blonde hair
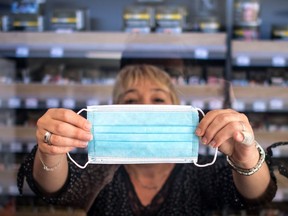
(132,74)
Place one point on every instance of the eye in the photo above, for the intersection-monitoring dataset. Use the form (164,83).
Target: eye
(130,101)
(159,100)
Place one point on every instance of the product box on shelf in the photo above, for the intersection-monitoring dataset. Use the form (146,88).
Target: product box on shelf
(69,20)
(26,22)
(4,23)
(208,24)
(139,19)
(7,71)
(279,32)
(171,19)
(247,19)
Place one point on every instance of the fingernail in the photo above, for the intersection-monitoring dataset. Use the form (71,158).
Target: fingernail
(91,137)
(88,126)
(198,131)
(212,143)
(204,140)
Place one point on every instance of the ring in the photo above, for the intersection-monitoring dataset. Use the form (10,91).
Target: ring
(248,138)
(47,137)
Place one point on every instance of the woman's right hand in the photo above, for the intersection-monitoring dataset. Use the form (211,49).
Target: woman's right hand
(69,130)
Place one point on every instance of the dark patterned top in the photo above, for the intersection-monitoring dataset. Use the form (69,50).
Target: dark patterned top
(189,190)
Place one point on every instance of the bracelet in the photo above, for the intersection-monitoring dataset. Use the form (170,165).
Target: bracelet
(45,167)
(249,172)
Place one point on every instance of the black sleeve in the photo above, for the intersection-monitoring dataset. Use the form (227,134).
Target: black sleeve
(81,188)
(218,185)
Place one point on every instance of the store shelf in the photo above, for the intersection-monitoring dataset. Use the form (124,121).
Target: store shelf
(17,135)
(108,45)
(282,183)
(8,184)
(260,98)
(37,95)
(260,53)
(266,138)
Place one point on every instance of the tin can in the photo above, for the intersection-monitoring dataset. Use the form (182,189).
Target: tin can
(247,12)
(279,32)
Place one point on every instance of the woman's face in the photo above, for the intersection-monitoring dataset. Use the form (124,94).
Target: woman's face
(146,92)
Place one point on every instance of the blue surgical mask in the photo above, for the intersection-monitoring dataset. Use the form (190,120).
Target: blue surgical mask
(141,134)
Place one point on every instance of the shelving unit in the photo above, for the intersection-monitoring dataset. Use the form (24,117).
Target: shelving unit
(261,98)
(261,53)
(112,45)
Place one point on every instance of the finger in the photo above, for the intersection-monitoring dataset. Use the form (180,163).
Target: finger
(233,130)
(225,134)
(63,128)
(60,141)
(69,117)
(70,131)
(218,123)
(244,137)
(208,119)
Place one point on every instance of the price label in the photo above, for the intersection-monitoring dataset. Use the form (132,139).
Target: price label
(259,106)
(22,52)
(14,103)
(56,52)
(182,102)
(215,104)
(276,104)
(15,147)
(238,105)
(69,103)
(201,53)
(13,190)
(198,103)
(243,61)
(92,102)
(278,61)
(52,103)
(109,102)
(31,103)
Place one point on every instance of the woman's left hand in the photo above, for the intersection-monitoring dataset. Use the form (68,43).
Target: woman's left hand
(225,129)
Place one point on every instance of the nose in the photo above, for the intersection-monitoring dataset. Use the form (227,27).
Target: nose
(146,100)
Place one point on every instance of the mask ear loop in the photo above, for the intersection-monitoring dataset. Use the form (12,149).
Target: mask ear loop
(68,154)
(216,149)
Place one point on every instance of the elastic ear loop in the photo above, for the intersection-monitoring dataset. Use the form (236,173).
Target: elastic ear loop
(216,149)
(68,154)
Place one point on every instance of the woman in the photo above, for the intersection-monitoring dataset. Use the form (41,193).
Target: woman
(148,189)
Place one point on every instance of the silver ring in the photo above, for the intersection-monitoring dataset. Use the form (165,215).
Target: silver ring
(47,137)
(248,138)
